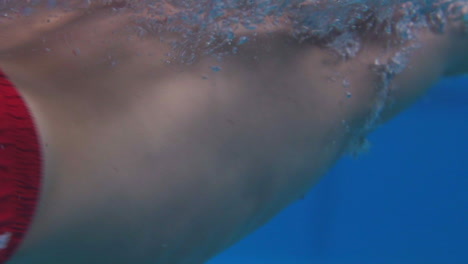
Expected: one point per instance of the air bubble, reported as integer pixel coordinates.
(243, 40)
(346, 83)
(216, 68)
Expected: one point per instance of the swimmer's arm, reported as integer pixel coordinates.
(440, 55)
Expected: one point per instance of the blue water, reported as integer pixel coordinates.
(404, 202)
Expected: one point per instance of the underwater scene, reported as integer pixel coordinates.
(233, 131)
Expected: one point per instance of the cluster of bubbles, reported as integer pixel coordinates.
(333, 22)
(209, 24)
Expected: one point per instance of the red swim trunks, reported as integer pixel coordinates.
(20, 169)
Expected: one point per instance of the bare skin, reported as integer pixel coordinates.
(149, 162)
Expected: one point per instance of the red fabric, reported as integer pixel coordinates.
(20, 169)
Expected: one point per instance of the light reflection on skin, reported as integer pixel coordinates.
(148, 160)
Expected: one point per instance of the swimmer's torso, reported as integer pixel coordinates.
(178, 167)
(152, 161)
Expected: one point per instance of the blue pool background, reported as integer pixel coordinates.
(404, 202)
